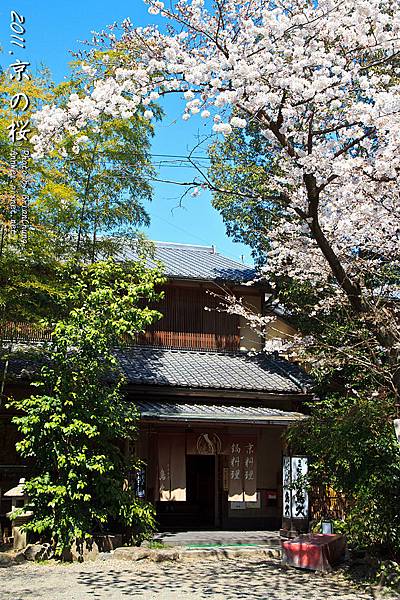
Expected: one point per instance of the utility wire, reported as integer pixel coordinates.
(182, 156)
(193, 235)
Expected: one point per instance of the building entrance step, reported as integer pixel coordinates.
(212, 539)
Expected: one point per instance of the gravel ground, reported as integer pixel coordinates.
(144, 580)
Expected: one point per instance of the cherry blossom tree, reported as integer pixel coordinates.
(320, 81)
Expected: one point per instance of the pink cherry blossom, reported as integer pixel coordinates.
(321, 83)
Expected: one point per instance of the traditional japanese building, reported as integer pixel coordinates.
(213, 405)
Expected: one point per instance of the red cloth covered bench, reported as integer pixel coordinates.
(317, 551)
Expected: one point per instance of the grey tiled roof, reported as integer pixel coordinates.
(181, 411)
(146, 365)
(183, 368)
(182, 261)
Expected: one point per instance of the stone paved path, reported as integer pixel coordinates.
(217, 580)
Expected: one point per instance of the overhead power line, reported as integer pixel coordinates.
(197, 237)
(181, 156)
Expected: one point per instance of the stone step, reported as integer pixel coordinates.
(229, 552)
(135, 553)
(219, 538)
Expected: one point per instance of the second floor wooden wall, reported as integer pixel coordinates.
(188, 324)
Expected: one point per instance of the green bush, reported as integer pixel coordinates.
(70, 430)
(352, 448)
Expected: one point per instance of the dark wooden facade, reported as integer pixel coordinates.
(191, 319)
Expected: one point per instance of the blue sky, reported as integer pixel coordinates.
(54, 28)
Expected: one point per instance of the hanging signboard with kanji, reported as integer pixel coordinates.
(242, 485)
(287, 492)
(295, 497)
(171, 467)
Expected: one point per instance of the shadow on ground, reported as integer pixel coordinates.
(217, 580)
(220, 579)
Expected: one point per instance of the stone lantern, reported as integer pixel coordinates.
(19, 499)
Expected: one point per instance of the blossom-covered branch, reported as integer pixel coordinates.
(320, 82)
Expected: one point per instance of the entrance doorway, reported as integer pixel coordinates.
(198, 511)
(200, 481)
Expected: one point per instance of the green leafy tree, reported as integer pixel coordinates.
(97, 181)
(71, 429)
(239, 177)
(95, 184)
(29, 286)
(352, 448)
(18, 101)
(87, 204)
